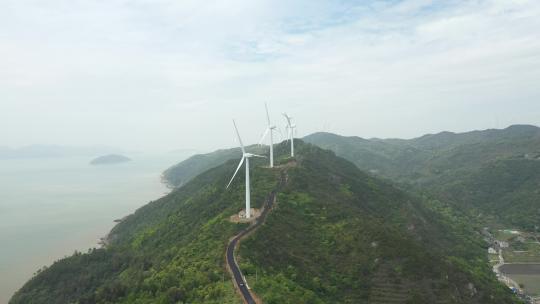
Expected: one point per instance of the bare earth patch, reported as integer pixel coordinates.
(240, 217)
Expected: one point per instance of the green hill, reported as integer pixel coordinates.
(336, 235)
(184, 171)
(505, 191)
(451, 166)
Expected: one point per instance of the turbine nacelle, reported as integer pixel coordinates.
(269, 131)
(290, 131)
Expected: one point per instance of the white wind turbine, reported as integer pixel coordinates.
(290, 131)
(269, 129)
(245, 157)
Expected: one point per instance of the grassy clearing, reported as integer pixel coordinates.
(504, 235)
(528, 252)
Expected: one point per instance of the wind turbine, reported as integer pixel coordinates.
(245, 157)
(290, 131)
(269, 129)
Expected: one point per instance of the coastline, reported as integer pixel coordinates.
(59, 214)
(106, 240)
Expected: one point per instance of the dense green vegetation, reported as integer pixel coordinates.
(492, 175)
(501, 191)
(337, 235)
(448, 165)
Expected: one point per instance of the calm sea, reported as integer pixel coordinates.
(51, 207)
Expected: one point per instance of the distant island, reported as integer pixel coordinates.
(110, 159)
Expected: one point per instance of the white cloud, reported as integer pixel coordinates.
(156, 69)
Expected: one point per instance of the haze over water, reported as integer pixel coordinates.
(50, 207)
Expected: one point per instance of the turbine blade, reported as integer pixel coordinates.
(287, 118)
(237, 168)
(288, 130)
(280, 133)
(264, 136)
(261, 156)
(267, 115)
(239, 139)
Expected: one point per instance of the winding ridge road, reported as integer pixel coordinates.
(231, 260)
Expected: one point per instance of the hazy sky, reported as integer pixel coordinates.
(162, 75)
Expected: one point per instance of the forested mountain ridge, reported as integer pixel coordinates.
(336, 235)
(447, 165)
(415, 159)
(464, 168)
(333, 216)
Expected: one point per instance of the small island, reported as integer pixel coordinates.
(110, 160)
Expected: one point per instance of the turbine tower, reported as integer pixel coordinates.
(245, 157)
(290, 131)
(269, 129)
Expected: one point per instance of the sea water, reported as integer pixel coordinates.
(50, 207)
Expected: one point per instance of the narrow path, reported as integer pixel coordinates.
(502, 277)
(233, 267)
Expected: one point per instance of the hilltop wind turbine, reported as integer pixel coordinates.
(269, 129)
(290, 131)
(245, 157)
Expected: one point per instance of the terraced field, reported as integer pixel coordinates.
(388, 290)
(527, 252)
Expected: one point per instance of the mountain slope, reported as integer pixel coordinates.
(449, 165)
(396, 159)
(507, 190)
(336, 235)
